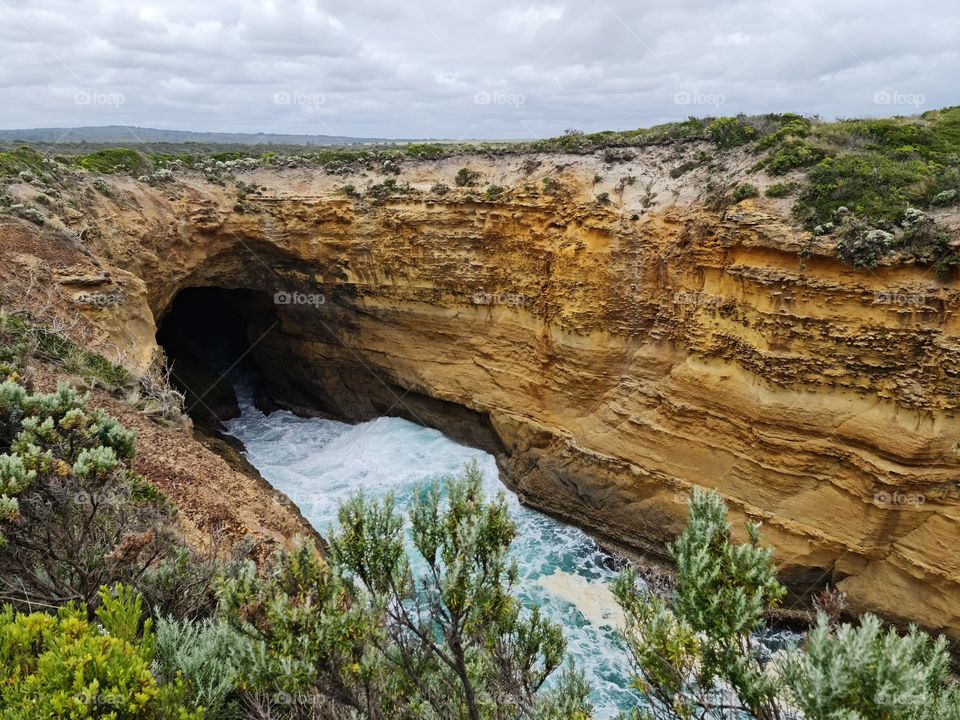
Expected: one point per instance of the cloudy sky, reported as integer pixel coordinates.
(459, 69)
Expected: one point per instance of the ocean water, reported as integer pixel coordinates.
(318, 463)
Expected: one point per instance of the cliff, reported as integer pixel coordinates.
(611, 330)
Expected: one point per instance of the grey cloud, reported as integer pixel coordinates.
(442, 69)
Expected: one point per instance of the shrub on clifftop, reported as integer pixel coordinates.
(73, 515)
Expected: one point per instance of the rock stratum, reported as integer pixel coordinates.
(612, 352)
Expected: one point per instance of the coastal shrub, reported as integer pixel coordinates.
(790, 155)
(744, 191)
(698, 654)
(466, 177)
(20, 160)
(871, 672)
(374, 631)
(67, 665)
(492, 192)
(781, 189)
(701, 644)
(204, 655)
(872, 185)
(74, 515)
(114, 160)
(730, 132)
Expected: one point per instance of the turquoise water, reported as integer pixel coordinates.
(318, 463)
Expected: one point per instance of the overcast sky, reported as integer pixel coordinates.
(467, 69)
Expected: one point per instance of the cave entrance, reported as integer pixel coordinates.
(207, 334)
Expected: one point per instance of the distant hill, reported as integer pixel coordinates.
(131, 135)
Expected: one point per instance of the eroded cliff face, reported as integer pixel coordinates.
(613, 354)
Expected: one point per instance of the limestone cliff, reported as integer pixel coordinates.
(613, 350)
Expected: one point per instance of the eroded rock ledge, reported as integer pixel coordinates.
(613, 355)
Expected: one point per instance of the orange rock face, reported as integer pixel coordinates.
(613, 354)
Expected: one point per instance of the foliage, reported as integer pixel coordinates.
(864, 672)
(744, 191)
(730, 132)
(439, 635)
(75, 516)
(873, 186)
(466, 177)
(492, 192)
(21, 341)
(21, 160)
(114, 160)
(781, 189)
(66, 665)
(697, 655)
(206, 655)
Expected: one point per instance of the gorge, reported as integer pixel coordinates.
(611, 342)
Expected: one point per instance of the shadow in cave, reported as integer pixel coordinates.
(206, 334)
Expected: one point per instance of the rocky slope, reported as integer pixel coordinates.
(613, 351)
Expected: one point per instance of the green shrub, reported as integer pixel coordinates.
(207, 656)
(730, 132)
(790, 155)
(115, 160)
(492, 192)
(866, 672)
(697, 652)
(21, 159)
(65, 666)
(704, 639)
(466, 177)
(75, 516)
(744, 191)
(781, 189)
(872, 185)
(368, 634)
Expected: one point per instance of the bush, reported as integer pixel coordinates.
(466, 177)
(791, 155)
(75, 517)
(873, 186)
(744, 191)
(866, 672)
(362, 633)
(206, 655)
(492, 192)
(730, 132)
(697, 654)
(781, 189)
(66, 666)
(114, 160)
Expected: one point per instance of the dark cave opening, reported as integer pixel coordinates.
(207, 336)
